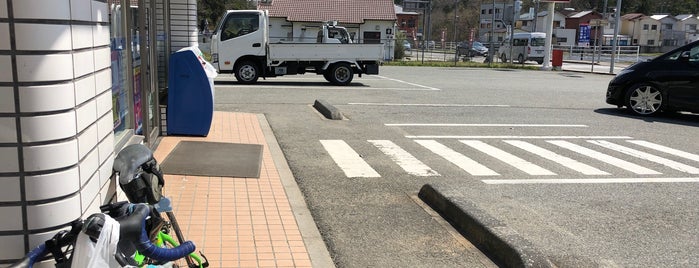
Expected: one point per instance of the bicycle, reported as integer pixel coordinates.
(133, 232)
(141, 179)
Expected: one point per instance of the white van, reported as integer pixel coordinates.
(525, 47)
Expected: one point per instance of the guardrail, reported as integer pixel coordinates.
(600, 53)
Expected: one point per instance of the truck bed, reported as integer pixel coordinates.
(325, 52)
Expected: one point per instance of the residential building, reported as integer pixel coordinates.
(407, 23)
(492, 19)
(669, 36)
(528, 21)
(687, 24)
(643, 29)
(561, 35)
(367, 21)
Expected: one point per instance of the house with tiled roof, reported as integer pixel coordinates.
(367, 21)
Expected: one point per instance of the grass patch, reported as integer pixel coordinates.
(470, 64)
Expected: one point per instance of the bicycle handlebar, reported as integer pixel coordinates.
(133, 229)
(31, 257)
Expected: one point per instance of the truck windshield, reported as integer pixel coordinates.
(239, 24)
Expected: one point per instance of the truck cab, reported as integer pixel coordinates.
(330, 33)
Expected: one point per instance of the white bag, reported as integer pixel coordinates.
(101, 254)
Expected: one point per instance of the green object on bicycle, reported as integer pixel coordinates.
(165, 238)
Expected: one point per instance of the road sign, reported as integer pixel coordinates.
(584, 36)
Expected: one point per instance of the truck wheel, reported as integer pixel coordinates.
(520, 59)
(247, 72)
(503, 57)
(340, 74)
(326, 74)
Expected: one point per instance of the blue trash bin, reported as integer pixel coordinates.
(190, 99)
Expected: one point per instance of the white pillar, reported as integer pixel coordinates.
(549, 36)
(184, 31)
(56, 140)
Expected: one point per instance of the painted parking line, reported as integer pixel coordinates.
(646, 156)
(348, 160)
(408, 83)
(637, 169)
(405, 160)
(467, 164)
(508, 158)
(562, 160)
(592, 181)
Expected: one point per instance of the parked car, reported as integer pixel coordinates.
(406, 45)
(475, 49)
(669, 82)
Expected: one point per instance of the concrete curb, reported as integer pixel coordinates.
(317, 251)
(502, 244)
(327, 110)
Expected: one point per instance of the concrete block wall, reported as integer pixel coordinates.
(56, 139)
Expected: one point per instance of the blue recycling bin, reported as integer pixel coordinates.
(190, 99)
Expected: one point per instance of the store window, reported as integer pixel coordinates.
(121, 94)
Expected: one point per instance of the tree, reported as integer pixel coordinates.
(212, 10)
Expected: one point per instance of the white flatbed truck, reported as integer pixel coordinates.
(241, 45)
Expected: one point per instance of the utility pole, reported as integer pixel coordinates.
(456, 50)
(549, 36)
(491, 50)
(616, 35)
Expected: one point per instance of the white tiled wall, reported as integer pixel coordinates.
(55, 9)
(47, 98)
(7, 100)
(53, 214)
(53, 67)
(51, 156)
(8, 130)
(3, 9)
(4, 62)
(48, 127)
(10, 192)
(4, 36)
(64, 113)
(52, 185)
(8, 158)
(42, 36)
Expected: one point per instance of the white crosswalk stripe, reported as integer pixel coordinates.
(605, 158)
(646, 156)
(348, 160)
(562, 160)
(666, 149)
(467, 164)
(508, 158)
(404, 159)
(519, 155)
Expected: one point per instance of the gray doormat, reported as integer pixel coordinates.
(214, 159)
